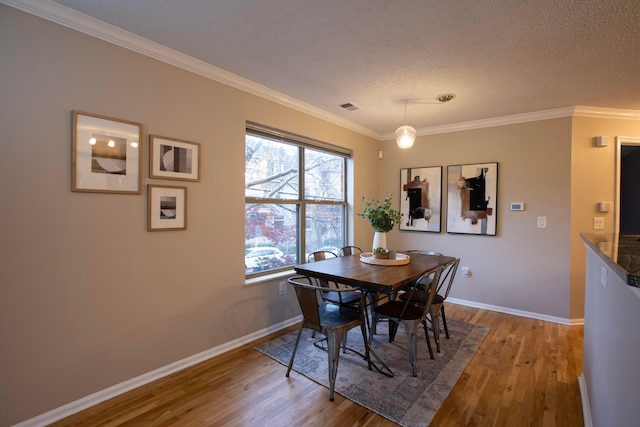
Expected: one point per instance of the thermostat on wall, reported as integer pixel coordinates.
(517, 206)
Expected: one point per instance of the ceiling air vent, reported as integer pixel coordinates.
(349, 106)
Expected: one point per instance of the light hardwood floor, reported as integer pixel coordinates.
(524, 374)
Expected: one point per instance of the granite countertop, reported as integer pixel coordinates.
(620, 252)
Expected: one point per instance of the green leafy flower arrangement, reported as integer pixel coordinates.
(380, 215)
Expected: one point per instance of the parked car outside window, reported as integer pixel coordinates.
(262, 258)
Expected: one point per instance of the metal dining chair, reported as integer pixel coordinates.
(410, 315)
(436, 308)
(349, 250)
(425, 280)
(344, 298)
(330, 320)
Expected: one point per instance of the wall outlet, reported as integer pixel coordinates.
(282, 288)
(465, 272)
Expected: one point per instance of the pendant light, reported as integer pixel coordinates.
(405, 135)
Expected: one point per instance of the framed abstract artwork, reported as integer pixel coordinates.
(167, 208)
(106, 155)
(421, 198)
(472, 198)
(172, 158)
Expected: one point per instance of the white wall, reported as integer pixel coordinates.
(611, 346)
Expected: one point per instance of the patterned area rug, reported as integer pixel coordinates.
(403, 399)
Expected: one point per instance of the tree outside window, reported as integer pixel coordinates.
(282, 223)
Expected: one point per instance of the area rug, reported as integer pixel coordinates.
(406, 400)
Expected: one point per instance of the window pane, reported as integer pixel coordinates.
(323, 175)
(270, 236)
(324, 228)
(271, 169)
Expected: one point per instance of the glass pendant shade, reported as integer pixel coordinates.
(405, 135)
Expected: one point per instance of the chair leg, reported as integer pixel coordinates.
(363, 329)
(295, 348)
(411, 327)
(393, 329)
(444, 321)
(426, 334)
(334, 339)
(434, 313)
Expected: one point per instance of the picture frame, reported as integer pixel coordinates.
(106, 154)
(167, 208)
(421, 199)
(172, 158)
(472, 197)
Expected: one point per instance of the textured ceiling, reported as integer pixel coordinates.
(499, 57)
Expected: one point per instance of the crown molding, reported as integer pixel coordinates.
(606, 113)
(75, 20)
(578, 111)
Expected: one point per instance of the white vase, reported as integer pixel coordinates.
(379, 240)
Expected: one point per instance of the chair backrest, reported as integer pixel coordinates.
(320, 255)
(307, 294)
(310, 299)
(349, 250)
(446, 278)
(428, 280)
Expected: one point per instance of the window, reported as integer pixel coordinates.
(289, 214)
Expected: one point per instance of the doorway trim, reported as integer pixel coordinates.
(620, 141)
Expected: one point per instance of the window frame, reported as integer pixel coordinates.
(301, 202)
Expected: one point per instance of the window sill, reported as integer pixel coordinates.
(268, 277)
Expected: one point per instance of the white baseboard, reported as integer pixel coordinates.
(118, 389)
(521, 313)
(584, 397)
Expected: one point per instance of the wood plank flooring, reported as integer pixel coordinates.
(524, 374)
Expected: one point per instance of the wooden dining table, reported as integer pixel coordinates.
(349, 270)
(373, 279)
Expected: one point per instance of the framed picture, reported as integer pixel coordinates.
(472, 198)
(106, 154)
(167, 208)
(174, 159)
(421, 198)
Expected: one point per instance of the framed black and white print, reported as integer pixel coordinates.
(167, 208)
(172, 158)
(421, 198)
(472, 198)
(106, 154)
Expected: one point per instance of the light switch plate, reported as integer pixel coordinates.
(542, 222)
(598, 223)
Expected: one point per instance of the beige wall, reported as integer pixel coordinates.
(592, 181)
(522, 267)
(89, 299)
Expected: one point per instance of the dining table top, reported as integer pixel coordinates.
(349, 270)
